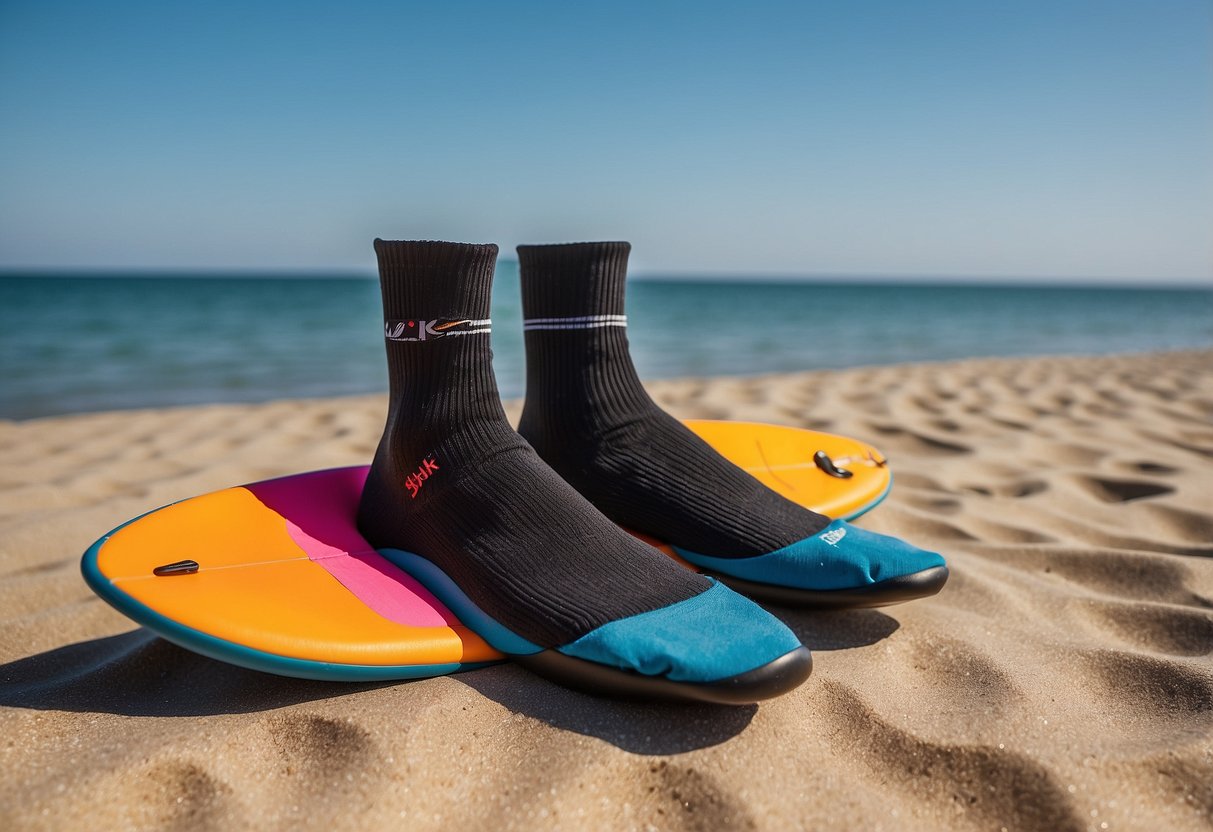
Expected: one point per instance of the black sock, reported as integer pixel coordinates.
(589, 418)
(454, 483)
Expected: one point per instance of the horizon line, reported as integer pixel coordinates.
(655, 276)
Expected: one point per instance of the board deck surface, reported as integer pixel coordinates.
(285, 583)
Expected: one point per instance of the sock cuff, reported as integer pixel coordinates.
(435, 281)
(580, 281)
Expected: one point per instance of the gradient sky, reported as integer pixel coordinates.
(929, 138)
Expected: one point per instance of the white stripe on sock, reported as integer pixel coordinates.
(577, 319)
(598, 325)
(575, 322)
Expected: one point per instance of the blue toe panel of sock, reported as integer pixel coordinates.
(840, 556)
(713, 636)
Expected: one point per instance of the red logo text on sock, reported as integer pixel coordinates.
(414, 481)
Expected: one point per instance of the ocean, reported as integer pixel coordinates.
(84, 343)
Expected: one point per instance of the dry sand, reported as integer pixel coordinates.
(1062, 680)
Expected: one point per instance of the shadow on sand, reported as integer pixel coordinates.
(139, 674)
(637, 727)
(842, 630)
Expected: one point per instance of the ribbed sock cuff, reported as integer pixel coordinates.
(573, 279)
(434, 280)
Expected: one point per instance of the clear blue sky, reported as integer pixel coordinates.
(927, 138)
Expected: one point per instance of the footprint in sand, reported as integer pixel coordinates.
(691, 800)
(1162, 628)
(1149, 467)
(183, 795)
(299, 755)
(319, 747)
(1111, 490)
(1148, 695)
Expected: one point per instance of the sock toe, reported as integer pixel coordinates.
(840, 556)
(713, 636)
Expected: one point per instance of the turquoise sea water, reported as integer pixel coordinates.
(71, 344)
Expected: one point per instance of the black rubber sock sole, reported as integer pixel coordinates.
(897, 590)
(772, 679)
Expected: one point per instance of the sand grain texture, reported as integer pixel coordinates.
(1063, 680)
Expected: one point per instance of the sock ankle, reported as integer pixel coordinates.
(452, 482)
(589, 417)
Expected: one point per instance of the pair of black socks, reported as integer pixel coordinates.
(528, 526)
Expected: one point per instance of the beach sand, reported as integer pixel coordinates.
(1062, 680)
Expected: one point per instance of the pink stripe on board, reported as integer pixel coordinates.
(319, 509)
